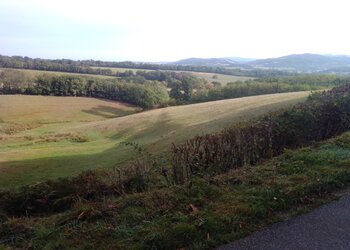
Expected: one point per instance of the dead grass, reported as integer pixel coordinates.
(13, 128)
(24, 109)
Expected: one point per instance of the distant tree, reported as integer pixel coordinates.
(188, 90)
(176, 91)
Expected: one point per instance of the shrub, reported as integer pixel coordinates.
(323, 115)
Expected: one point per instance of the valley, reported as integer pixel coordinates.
(49, 137)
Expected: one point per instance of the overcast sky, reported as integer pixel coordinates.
(164, 30)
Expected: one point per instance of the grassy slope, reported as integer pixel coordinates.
(223, 79)
(51, 109)
(202, 215)
(56, 149)
(29, 123)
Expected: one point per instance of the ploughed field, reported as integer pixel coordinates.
(49, 137)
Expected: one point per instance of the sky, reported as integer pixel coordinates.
(169, 30)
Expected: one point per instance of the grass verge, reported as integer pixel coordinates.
(200, 214)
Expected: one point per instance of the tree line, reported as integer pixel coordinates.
(179, 86)
(143, 87)
(148, 95)
(96, 67)
(326, 80)
(269, 85)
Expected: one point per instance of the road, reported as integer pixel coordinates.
(327, 227)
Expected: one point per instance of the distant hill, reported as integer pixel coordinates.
(241, 59)
(303, 62)
(296, 62)
(226, 62)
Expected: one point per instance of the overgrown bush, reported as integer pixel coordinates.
(323, 115)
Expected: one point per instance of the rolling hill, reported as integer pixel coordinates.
(79, 137)
(303, 62)
(219, 62)
(297, 62)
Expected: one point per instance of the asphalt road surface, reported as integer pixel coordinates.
(327, 227)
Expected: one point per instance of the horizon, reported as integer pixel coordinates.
(165, 31)
(138, 61)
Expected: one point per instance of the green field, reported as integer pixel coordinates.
(48, 137)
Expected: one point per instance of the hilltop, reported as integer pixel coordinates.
(224, 62)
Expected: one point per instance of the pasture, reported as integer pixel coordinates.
(223, 79)
(49, 137)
